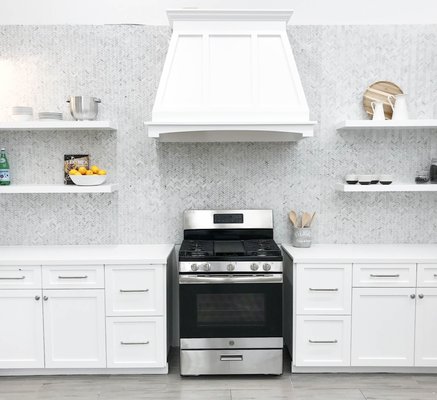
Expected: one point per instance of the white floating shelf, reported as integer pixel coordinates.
(426, 187)
(58, 126)
(350, 124)
(36, 189)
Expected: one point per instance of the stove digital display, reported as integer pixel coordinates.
(228, 218)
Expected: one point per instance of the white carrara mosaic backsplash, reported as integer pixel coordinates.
(42, 65)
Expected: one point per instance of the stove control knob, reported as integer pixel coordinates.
(254, 267)
(206, 267)
(267, 267)
(231, 267)
(194, 267)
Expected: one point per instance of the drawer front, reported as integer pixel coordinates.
(20, 277)
(73, 277)
(136, 342)
(137, 290)
(323, 341)
(384, 275)
(427, 275)
(324, 289)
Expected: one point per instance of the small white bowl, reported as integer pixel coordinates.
(365, 179)
(88, 180)
(351, 179)
(385, 179)
(374, 179)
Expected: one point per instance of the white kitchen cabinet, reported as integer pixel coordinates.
(383, 321)
(20, 277)
(426, 327)
(135, 290)
(74, 328)
(21, 329)
(324, 289)
(73, 277)
(136, 342)
(323, 341)
(427, 275)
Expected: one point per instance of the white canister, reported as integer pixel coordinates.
(302, 237)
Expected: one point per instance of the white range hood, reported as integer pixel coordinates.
(230, 76)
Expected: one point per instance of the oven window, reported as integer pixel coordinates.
(218, 309)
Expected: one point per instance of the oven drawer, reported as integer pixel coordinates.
(73, 277)
(135, 290)
(324, 289)
(323, 341)
(229, 362)
(20, 277)
(384, 275)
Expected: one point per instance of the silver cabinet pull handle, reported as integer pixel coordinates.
(385, 276)
(12, 277)
(45, 298)
(73, 277)
(231, 357)
(421, 296)
(413, 296)
(133, 343)
(324, 290)
(133, 290)
(435, 275)
(323, 341)
(37, 298)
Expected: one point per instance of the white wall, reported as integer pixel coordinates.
(152, 12)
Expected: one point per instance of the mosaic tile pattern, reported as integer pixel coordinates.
(41, 66)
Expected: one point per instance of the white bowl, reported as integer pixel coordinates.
(365, 179)
(88, 180)
(385, 179)
(351, 179)
(22, 117)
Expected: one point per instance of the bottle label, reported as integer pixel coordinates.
(4, 175)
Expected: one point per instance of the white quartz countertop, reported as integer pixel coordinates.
(364, 253)
(82, 255)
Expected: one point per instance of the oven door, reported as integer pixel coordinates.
(230, 306)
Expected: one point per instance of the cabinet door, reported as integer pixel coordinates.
(383, 327)
(135, 290)
(426, 327)
(74, 328)
(324, 289)
(21, 329)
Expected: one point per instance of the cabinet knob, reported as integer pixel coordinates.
(413, 296)
(45, 298)
(37, 298)
(421, 296)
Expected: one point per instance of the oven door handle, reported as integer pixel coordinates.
(205, 279)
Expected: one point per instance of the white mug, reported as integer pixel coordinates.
(378, 111)
(400, 111)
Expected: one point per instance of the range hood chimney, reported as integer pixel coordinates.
(230, 76)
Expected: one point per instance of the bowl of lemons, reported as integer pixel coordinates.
(88, 177)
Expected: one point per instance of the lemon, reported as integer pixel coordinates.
(89, 172)
(82, 170)
(95, 169)
(74, 172)
(102, 172)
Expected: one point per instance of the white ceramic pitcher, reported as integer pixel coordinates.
(399, 106)
(378, 111)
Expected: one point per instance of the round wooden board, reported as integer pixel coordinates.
(379, 91)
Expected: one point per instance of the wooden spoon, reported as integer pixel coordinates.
(306, 219)
(293, 218)
(312, 217)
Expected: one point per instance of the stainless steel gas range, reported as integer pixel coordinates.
(230, 293)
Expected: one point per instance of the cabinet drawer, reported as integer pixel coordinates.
(20, 277)
(324, 289)
(323, 341)
(135, 290)
(73, 277)
(135, 342)
(384, 275)
(427, 275)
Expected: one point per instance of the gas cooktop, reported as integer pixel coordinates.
(230, 250)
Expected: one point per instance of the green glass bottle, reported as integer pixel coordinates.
(5, 177)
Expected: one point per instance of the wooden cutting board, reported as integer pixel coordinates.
(379, 91)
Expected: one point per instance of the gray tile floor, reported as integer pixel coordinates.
(172, 386)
